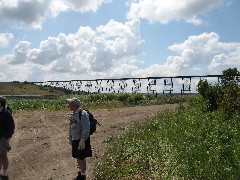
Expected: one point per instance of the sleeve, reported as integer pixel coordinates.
(85, 125)
(69, 132)
(10, 126)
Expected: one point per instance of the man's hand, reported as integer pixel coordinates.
(70, 140)
(8, 145)
(81, 144)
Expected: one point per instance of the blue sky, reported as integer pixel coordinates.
(43, 40)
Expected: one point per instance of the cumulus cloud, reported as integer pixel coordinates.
(5, 38)
(89, 5)
(11, 72)
(165, 11)
(204, 54)
(3, 77)
(20, 52)
(86, 51)
(112, 51)
(33, 12)
(24, 11)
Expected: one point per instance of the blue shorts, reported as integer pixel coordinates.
(81, 154)
(4, 145)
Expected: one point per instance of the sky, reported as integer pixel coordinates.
(61, 40)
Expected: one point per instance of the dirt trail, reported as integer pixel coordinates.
(40, 148)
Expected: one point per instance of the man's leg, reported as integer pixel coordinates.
(0, 166)
(0, 162)
(4, 163)
(82, 165)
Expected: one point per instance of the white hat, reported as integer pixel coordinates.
(76, 101)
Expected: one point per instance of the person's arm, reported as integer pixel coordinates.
(10, 126)
(85, 125)
(69, 135)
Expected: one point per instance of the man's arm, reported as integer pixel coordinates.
(10, 126)
(85, 125)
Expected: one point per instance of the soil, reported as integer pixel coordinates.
(40, 148)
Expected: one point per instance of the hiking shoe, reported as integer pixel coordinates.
(78, 177)
(83, 177)
(3, 177)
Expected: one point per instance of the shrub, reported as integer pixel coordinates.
(212, 94)
(230, 103)
(185, 144)
(224, 94)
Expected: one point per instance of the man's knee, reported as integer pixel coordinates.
(3, 157)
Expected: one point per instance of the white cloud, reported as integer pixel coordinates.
(226, 60)
(24, 11)
(5, 38)
(3, 77)
(204, 54)
(87, 5)
(165, 11)
(11, 72)
(33, 12)
(102, 54)
(87, 51)
(20, 52)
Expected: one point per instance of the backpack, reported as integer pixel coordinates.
(9, 109)
(92, 120)
(6, 111)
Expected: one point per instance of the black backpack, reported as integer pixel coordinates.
(92, 120)
(9, 109)
(6, 111)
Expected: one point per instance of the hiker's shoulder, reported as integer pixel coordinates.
(7, 111)
(84, 112)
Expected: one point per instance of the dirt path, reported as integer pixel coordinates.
(40, 148)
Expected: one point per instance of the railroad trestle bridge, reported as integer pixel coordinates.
(153, 85)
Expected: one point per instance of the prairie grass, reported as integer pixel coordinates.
(93, 101)
(188, 143)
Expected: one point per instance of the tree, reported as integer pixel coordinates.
(231, 74)
(224, 95)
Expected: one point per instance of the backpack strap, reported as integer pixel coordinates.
(8, 109)
(80, 114)
(5, 112)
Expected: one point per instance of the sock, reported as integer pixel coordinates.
(1, 171)
(4, 172)
(82, 173)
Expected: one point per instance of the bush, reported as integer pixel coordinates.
(212, 94)
(200, 141)
(185, 144)
(230, 103)
(224, 95)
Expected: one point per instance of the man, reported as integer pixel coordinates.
(79, 137)
(6, 131)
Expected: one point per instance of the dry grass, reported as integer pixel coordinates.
(17, 88)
